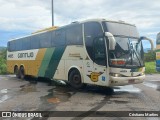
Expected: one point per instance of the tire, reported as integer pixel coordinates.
(21, 73)
(109, 91)
(16, 72)
(75, 79)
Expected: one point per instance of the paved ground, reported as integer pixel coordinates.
(20, 95)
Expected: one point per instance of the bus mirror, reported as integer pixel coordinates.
(112, 41)
(150, 40)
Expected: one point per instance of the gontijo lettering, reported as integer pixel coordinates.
(25, 55)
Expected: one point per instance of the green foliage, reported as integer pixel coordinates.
(150, 67)
(150, 56)
(150, 62)
(3, 66)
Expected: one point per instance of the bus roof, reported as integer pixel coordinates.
(107, 20)
(73, 23)
(46, 29)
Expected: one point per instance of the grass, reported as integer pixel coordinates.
(150, 67)
(3, 66)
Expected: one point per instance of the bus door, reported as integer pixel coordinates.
(100, 73)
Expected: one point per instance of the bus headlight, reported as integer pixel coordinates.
(115, 75)
(142, 73)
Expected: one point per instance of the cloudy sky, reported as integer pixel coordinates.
(22, 17)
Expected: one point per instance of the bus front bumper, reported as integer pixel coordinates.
(120, 81)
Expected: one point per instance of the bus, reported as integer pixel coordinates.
(97, 52)
(158, 52)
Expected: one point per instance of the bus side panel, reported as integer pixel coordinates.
(31, 66)
(45, 62)
(72, 58)
(77, 58)
(51, 61)
(60, 71)
(10, 66)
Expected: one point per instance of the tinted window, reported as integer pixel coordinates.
(122, 29)
(53, 41)
(13, 45)
(10, 46)
(35, 41)
(59, 38)
(74, 35)
(26, 45)
(99, 51)
(18, 44)
(92, 30)
(45, 40)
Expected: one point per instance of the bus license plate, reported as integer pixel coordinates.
(131, 81)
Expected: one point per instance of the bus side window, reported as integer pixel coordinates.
(99, 51)
(92, 30)
(74, 35)
(26, 44)
(12, 45)
(45, 40)
(35, 42)
(53, 38)
(59, 39)
(8, 46)
(18, 45)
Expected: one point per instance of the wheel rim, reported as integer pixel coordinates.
(76, 79)
(22, 73)
(16, 72)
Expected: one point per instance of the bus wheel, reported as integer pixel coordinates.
(75, 79)
(109, 91)
(16, 72)
(21, 73)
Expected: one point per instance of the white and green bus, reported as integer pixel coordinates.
(99, 52)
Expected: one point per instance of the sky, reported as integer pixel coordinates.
(22, 17)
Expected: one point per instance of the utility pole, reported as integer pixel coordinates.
(52, 13)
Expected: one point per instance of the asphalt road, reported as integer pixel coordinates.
(28, 95)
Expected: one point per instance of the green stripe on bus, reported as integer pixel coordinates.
(45, 62)
(55, 59)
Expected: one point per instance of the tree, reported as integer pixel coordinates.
(150, 56)
(3, 66)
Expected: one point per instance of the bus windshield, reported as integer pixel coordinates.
(128, 52)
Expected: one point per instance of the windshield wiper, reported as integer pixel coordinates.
(132, 53)
(137, 57)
